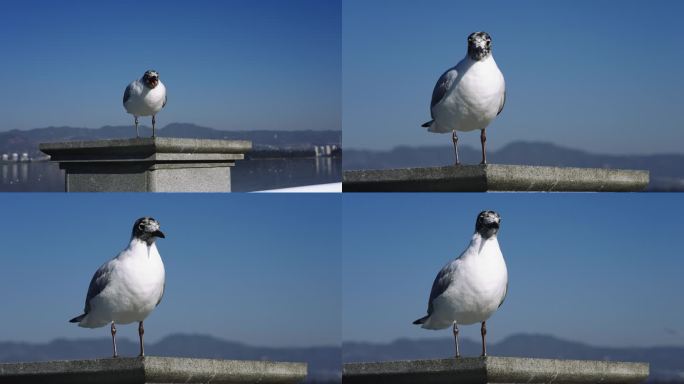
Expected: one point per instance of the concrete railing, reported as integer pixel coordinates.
(495, 177)
(155, 164)
(489, 369)
(153, 370)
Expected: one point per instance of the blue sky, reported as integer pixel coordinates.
(240, 64)
(604, 76)
(604, 269)
(260, 269)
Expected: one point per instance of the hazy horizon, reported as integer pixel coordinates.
(476, 147)
(161, 126)
(132, 336)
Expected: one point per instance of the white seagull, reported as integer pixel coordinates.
(145, 97)
(128, 287)
(470, 95)
(472, 287)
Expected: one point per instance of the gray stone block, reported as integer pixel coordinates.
(495, 177)
(495, 370)
(158, 164)
(153, 370)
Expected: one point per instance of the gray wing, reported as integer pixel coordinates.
(443, 85)
(164, 105)
(441, 283)
(504, 295)
(503, 102)
(162, 294)
(127, 93)
(97, 284)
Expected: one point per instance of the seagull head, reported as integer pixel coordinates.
(487, 224)
(479, 45)
(151, 78)
(147, 229)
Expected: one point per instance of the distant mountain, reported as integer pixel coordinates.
(667, 171)
(323, 362)
(27, 140)
(666, 363)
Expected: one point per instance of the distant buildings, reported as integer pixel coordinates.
(16, 157)
(325, 150)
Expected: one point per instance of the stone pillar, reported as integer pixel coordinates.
(143, 370)
(154, 164)
(482, 370)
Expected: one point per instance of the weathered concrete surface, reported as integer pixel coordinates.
(153, 370)
(158, 164)
(495, 370)
(495, 177)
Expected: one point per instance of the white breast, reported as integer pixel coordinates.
(144, 101)
(135, 287)
(474, 99)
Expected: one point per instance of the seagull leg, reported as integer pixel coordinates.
(483, 140)
(154, 121)
(114, 339)
(455, 329)
(454, 139)
(483, 331)
(136, 127)
(141, 332)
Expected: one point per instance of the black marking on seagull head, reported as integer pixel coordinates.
(151, 78)
(479, 45)
(487, 224)
(147, 230)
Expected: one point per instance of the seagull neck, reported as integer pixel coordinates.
(137, 242)
(478, 242)
(485, 60)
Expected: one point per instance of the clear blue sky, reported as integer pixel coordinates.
(240, 64)
(261, 269)
(604, 269)
(603, 75)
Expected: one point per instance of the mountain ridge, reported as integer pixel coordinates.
(666, 362)
(27, 140)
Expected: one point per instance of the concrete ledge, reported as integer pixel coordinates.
(151, 164)
(495, 177)
(153, 370)
(496, 370)
(147, 149)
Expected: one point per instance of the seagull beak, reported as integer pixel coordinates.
(159, 234)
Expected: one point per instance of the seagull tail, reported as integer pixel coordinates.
(428, 124)
(77, 319)
(421, 320)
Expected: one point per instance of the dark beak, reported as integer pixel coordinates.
(159, 234)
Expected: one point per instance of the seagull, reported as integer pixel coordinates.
(145, 97)
(128, 287)
(472, 287)
(470, 95)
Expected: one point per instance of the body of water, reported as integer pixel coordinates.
(247, 175)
